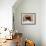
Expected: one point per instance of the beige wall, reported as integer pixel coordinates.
(29, 31)
(6, 13)
(38, 31)
(43, 22)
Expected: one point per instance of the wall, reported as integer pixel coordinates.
(29, 31)
(6, 13)
(43, 22)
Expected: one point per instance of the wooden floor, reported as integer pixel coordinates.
(12, 42)
(9, 43)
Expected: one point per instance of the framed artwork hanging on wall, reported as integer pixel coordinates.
(28, 18)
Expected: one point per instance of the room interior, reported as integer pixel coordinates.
(22, 23)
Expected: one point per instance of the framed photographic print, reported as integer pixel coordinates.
(28, 18)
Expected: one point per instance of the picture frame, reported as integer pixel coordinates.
(28, 18)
